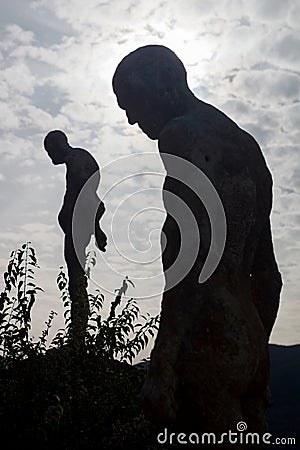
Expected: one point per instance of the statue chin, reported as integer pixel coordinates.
(153, 137)
(152, 134)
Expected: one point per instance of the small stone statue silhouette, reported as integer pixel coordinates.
(82, 180)
(209, 366)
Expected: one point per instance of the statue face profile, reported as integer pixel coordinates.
(56, 146)
(140, 110)
(150, 85)
(55, 156)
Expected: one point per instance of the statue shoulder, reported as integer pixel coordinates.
(178, 136)
(79, 158)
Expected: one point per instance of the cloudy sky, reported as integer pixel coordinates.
(57, 60)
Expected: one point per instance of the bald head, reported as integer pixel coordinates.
(57, 146)
(150, 67)
(151, 85)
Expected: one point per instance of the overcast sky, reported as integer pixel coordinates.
(57, 61)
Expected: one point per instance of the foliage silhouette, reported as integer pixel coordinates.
(16, 302)
(51, 397)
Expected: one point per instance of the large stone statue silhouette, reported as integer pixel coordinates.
(209, 366)
(79, 218)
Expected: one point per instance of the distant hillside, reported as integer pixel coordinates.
(284, 415)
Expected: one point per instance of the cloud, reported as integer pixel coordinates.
(275, 85)
(287, 47)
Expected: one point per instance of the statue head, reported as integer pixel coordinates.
(57, 146)
(151, 86)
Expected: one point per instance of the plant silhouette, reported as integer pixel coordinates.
(53, 397)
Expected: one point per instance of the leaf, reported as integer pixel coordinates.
(14, 276)
(131, 282)
(93, 261)
(31, 291)
(33, 258)
(31, 302)
(39, 289)
(20, 255)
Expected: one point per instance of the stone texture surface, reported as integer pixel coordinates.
(209, 368)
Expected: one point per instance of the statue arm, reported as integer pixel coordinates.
(85, 180)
